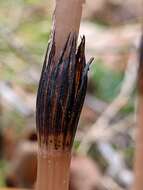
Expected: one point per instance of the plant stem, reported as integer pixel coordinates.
(138, 167)
(139, 148)
(53, 171)
(58, 109)
(66, 21)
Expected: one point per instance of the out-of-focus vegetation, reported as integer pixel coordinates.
(24, 33)
(107, 82)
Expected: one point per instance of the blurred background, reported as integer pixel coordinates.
(105, 139)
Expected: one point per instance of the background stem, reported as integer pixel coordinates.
(138, 184)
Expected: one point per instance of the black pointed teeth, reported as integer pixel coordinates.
(61, 94)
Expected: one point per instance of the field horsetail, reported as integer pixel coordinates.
(60, 97)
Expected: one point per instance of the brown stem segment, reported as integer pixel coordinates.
(53, 170)
(66, 21)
